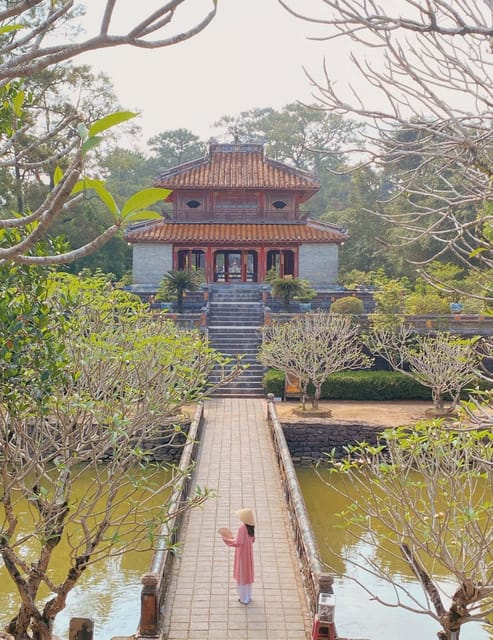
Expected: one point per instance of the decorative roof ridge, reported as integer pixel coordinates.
(322, 225)
(181, 168)
(236, 147)
(309, 175)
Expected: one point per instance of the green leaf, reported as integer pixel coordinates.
(90, 143)
(143, 199)
(11, 27)
(57, 175)
(98, 186)
(110, 121)
(476, 252)
(19, 102)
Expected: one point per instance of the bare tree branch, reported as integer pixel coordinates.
(23, 56)
(427, 107)
(37, 35)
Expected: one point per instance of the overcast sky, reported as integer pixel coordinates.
(251, 55)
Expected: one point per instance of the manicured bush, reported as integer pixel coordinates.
(373, 385)
(364, 385)
(422, 304)
(274, 382)
(349, 305)
(357, 385)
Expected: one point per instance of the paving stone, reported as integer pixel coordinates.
(237, 461)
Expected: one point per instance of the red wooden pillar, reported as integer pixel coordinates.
(244, 265)
(281, 263)
(209, 265)
(261, 264)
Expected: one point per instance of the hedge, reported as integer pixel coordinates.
(362, 385)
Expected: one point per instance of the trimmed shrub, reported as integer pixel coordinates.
(421, 304)
(373, 385)
(273, 381)
(348, 305)
(364, 385)
(357, 385)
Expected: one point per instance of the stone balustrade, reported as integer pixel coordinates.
(315, 580)
(156, 581)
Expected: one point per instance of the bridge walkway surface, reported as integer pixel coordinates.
(237, 461)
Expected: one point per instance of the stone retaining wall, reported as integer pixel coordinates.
(308, 440)
(166, 444)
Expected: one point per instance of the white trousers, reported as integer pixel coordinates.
(245, 592)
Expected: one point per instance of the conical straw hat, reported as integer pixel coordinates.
(246, 516)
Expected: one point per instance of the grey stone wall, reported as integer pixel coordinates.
(308, 441)
(150, 262)
(319, 263)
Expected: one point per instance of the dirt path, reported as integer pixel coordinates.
(388, 414)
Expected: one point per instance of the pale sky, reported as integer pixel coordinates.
(251, 55)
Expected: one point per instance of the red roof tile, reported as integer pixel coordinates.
(235, 234)
(237, 166)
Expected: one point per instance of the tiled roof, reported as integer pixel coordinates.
(237, 166)
(235, 234)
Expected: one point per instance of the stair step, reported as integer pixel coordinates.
(235, 316)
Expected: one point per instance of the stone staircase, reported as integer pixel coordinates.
(236, 313)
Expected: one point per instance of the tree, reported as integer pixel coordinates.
(424, 494)
(174, 147)
(37, 36)
(124, 172)
(311, 347)
(176, 282)
(106, 387)
(446, 364)
(427, 114)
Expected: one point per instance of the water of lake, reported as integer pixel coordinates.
(108, 592)
(357, 616)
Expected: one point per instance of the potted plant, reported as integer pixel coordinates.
(175, 283)
(305, 299)
(287, 288)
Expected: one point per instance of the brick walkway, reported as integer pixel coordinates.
(237, 460)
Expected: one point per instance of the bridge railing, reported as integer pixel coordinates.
(315, 580)
(155, 583)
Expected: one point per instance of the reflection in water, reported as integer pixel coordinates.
(357, 615)
(108, 592)
(110, 596)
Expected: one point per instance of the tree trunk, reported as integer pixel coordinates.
(316, 396)
(438, 402)
(19, 625)
(42, 629)
(449, 635)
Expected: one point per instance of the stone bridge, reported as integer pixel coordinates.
(191, 595)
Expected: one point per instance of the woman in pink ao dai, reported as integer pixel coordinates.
(243, 567)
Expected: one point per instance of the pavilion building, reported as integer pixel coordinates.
(236, 214)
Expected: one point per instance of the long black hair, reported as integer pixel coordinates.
(250, 529)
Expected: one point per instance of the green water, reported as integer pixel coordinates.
(107, 592)
(357, 616)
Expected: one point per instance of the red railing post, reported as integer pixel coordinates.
(149, 606)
